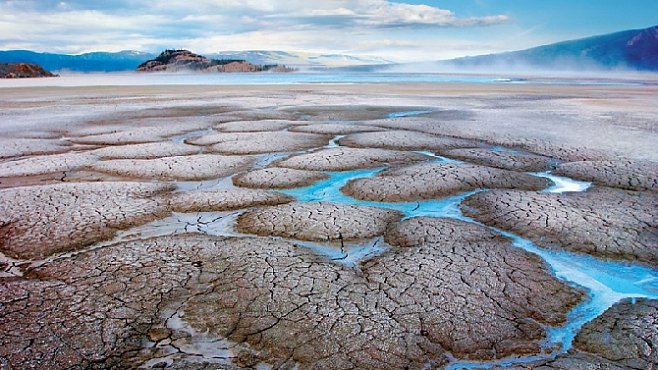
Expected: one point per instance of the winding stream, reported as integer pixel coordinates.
(606, 282)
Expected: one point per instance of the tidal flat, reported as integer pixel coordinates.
(347, 226)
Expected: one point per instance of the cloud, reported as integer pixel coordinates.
(330, 25)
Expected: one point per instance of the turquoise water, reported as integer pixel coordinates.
(323, 77)
(408, 114)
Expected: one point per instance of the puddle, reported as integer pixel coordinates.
(333, 143)
(410, 113)
(436, 156)
(179, 139)
(563, 184)
(220, 183)
(349, 254)
(10, 267)
(187, 345)
(209, 223)
(264, 160)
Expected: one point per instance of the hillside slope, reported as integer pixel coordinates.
(633, 49)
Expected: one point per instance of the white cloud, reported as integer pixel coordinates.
(212, 25)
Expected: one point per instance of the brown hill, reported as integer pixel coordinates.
(23, 70)
(185, 60)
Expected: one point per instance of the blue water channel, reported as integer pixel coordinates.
(606, 282)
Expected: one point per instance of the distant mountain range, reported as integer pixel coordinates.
(129, 60)
(89, 62)
(297, 59)
(634, 49)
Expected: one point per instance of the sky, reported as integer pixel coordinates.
(402, 31)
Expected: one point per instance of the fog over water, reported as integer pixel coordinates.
(389, 75)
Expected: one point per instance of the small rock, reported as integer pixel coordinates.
(158, 334)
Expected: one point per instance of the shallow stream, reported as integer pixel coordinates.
(606, 282)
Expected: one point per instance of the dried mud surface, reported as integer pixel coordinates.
(335, 128)
(624, 337)
(342, 159)
(257, 142)
(39, 165)
(193, 167)
(631, 175)
(256, 126)
(317, 221)
(135, 133)
(472, 263)
(37, 221)
(405, 140)
(277, 178)
(603, 222)
(16, 147)
(436, 180)
(139, 226)
(287, 305)
(224, 199)
(507, 160)
(146, 151)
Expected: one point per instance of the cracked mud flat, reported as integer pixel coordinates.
(512, 160)
(405, 140)
(193, 167)
(37, 221)
(602, 222)
(277, 178)
(256, 126)
(257, 143)
(342, 159)
(106, 270)
(39, 165)
(631, 175)
(146, 151)
(623, 337)
(317, 221)
(335, 128)
(437, 180)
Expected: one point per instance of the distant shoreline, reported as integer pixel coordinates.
(116, 79)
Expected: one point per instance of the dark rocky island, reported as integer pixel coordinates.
(23, 70)
(185, 60)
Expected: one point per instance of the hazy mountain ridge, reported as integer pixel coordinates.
(632, 49)
(100, 61)
(299, 59)
(129, 60)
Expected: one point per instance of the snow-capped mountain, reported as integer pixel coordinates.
(299, 59)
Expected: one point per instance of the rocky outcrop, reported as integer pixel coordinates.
(23, 70)
(185, 60)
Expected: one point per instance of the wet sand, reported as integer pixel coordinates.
(328, 226)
